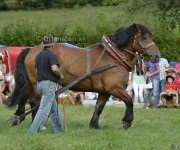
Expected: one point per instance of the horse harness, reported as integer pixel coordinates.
(114, 52)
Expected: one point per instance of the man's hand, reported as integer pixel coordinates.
(57, 71)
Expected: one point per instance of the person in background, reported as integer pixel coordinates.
(11, 84)
(2, 88)
(129, 86)
(75, 96)
(170, 92)
(138, 81)
(177, 78)
(154, 75)
(91, 95)
(2, 65)
(163, 65)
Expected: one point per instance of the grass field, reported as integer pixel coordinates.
(151, 130)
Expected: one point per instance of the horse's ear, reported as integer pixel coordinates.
(136, 27)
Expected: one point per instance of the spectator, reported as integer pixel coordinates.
(177, 79)
(163, 65)
(91, 95)
(11, 84)
(62, 96)
(138, 81)
(170, 92)
(113, 98)
(75, 96)
(129, 86)
(2, 65)
(48, 74)
(2, 88)
(154, 75)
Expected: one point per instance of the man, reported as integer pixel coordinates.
(163, 65)
(48, 74)
(154, 76)
(170, 91)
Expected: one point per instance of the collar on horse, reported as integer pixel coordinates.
(113, 51)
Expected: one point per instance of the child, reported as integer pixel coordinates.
(170, 91)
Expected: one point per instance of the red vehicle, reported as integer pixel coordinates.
(10, 55)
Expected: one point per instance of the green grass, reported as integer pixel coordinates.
(151, 130)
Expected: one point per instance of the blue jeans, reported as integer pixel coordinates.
(48, 107)
(155, 91)
(162, 84)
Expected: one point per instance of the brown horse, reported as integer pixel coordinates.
(117, 49)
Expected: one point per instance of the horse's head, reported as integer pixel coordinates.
(144, 44)
(141, 38)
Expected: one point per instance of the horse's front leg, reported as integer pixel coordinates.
(123, 95)
(129, 116)
(101, 101)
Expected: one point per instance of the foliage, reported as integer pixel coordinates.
(85, 26)
(151, 129)
(43, 4)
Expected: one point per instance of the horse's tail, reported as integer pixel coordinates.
(21, 80)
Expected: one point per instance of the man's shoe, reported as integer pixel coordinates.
(147, 108)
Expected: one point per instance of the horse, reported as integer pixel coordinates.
(117, 51)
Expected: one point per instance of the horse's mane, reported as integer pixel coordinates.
(121, 36)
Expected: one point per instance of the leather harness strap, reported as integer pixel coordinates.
(88, 59)
(88, 65)
(117, 55)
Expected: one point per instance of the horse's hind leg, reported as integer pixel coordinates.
(20, 110)
(102, 99)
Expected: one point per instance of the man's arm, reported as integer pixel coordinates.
(155, 72)
(57, 71)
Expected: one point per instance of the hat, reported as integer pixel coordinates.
(169, 77)
(170, 70)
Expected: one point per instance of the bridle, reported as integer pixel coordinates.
(116, 52)
(143, 47)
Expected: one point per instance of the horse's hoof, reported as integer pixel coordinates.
(94, 126)
(13, 123)
(126, 125)
(16, 120)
